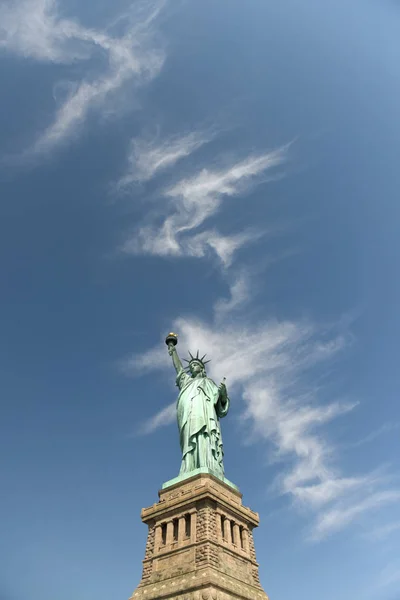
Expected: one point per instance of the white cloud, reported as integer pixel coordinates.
(210, 185)
(146, 361)
(239, 295)
(164, 417)
(329, 489)
(390, 575)
(380, 533)
(193, 201)
(34, 29)
(224, 246)
(147, 157)
(371, 437)
(338, 517)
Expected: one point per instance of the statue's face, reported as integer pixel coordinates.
(195, 368)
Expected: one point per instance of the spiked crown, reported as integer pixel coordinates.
(196, 359)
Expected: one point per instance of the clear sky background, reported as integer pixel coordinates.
(229, 171)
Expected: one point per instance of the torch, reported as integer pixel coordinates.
(171, 340)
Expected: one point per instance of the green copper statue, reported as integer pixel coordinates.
(200, 405)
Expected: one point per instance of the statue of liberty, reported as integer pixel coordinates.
(200, 406)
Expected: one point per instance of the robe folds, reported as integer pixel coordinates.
(199, 409)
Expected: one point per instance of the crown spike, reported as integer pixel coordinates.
(196, 359)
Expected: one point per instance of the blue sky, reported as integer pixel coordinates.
(227, 170)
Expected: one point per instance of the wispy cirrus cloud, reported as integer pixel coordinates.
(193, 201)
(35, 29)
(149, 156)
(328, 489)
(239, 291)
(384, 429)
(164, 417)
(390, 576)
(338, 517)
(384, 531)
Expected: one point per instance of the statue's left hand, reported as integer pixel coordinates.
(223, 394)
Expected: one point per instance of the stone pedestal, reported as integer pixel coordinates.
(200, 544)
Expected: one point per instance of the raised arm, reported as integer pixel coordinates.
(171, 341)
(176, 361)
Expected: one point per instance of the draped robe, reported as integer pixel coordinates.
(199, 409)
